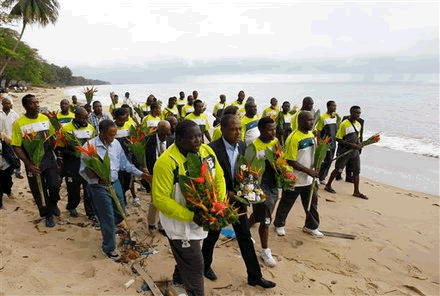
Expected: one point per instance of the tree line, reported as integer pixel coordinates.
(20, 62)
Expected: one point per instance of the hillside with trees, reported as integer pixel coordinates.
(20, 62)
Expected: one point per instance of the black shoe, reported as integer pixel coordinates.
(50, 222)
(262, 283)
(113, 255)
(210, 274)
(56, 211)
(151, 228)
(73, 213)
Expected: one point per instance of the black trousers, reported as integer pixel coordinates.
(74, 184)
(245, 243)
(189, 267)
(5, 183)
(51, 180)
(286, 204)
(325, 166)
(125, 179)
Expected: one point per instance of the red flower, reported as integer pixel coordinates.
(377, 138)
(212, 220)
(218, 208)
(90, 151)
(59, 136)
(327, 140)
(203, 169)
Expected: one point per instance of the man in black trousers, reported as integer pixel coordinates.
(227, 149)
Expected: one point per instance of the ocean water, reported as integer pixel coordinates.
(407, 116)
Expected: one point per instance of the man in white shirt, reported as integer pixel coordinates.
(8, 117)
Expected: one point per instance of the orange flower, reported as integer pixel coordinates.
(327, 140)
(59, 136)
(90, 151)
(218, 208)
(203, 169)
(377, 138)
(26, 137)
(212, 220)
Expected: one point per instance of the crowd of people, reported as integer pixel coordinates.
(178, 128)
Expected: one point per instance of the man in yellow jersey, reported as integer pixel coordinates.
(65, 115)
(171, 108)
(152, 120)
(240, 102)
(307, 105)
(115, 104)
(181, 101)
(217, 134)
(173, 124)
(218, 110)
(181, 225)
(121, 116)
(75, 105)
(262, 213)
(200, 118)
(49, 172)
(283, 122)
(326, 128)
(83, 131)
(300, 154)
(272, 110)
(146, 107)
(188, 108)
(249, 123)
(348, 138)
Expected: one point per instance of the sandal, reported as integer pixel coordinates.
(329, 189)
(361, 195)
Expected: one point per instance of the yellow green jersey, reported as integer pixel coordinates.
(151, 121)
(249, 129)
(240, 107)
(64, 119)
(167, 111)
(217, 134)
(201, 120)
(272, 113)
(186, 110)
(300, 147)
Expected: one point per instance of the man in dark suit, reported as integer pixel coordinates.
(227, 149)
(158, 142)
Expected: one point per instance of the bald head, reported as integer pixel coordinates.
(163, 129)
(173, 122)
(305, 121)
(307, 104)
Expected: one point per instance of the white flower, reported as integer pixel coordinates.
(251, 196)
(239, 193)
(257, 198)
(249, 187)
(241, 186)
(243, 167)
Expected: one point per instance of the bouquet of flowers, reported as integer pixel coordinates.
(137, 143)
(101, 168)
(33, 143)
(284, 173)
(201, 195)
(52, 115)
(89, 92)
(249, 171)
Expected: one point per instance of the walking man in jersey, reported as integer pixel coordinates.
(348, 138)
(181, 225)
(33, 121)
(227, 149)
(300, 151)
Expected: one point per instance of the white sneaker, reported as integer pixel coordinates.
(136, 202)
(280, 231)
(314, 232)
(266, 255)
(252, 239)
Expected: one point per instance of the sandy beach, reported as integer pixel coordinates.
(395, 250)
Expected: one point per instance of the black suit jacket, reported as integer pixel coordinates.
(152, 149)
(220, 151)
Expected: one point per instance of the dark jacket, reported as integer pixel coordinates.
(151, 150)
(220, 151)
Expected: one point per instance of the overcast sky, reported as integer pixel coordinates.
(98, 33)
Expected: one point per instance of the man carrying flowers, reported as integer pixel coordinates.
(348, 138)
(105, 208)
(300, 154)
(47, 173)
(182, 226)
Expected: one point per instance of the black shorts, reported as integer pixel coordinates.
(263, 211)
(355, 160)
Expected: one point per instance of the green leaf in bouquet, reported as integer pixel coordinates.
(316, 117)
(193, 165)
(106, 167)
(270, 155)
(251, 152)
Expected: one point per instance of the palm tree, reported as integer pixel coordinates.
(42, 12)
